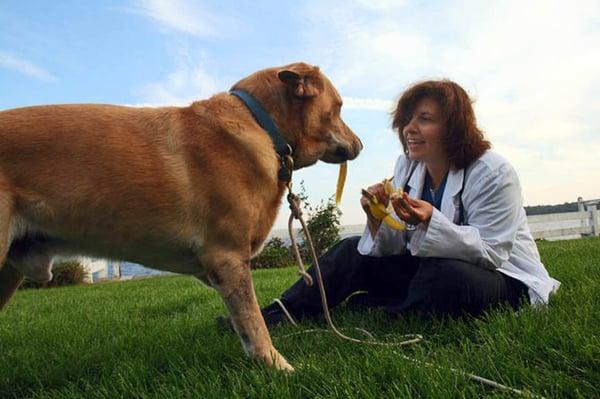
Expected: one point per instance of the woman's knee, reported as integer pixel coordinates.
(346, 247)
(350, 242)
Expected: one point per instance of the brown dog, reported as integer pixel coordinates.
(190, 190)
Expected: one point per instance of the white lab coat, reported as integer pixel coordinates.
(495, 234)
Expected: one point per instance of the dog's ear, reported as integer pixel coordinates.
(301, 79)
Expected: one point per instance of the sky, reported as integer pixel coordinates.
(532, 69)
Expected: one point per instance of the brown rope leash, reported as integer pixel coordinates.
(294, 201)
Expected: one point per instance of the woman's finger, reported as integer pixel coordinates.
(378, 192)
(401, 210)
(406, 206)
(413, 202)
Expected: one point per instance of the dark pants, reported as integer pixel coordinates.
(404, 283)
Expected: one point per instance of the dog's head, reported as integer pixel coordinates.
(306, 108)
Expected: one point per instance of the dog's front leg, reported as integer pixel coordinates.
(230, 276)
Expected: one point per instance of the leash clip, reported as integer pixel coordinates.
(287, 166)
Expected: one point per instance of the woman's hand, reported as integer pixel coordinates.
(412, 211)
(378, 191)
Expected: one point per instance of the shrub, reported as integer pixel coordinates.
(323, 223)
(324, 227)
(274, 254)
(63, 273)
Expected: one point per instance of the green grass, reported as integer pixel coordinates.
(157, 338)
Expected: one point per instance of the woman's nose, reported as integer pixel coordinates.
(410, 126)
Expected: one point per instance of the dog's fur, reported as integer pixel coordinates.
(191, 190)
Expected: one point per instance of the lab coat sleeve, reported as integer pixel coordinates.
(492, 206)
(386, 242)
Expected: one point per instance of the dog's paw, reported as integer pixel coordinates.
(279, 362)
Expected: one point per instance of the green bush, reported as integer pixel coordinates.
(324, 227)
(323, 223)
(274, 254)
(63, 273)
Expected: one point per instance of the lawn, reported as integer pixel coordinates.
(157, 338)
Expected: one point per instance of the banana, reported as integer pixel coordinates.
(340, 183)
(380, 211)
(388, 187)
(393, 223)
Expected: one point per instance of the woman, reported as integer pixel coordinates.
(469, 248)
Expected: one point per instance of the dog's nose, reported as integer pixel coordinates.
(341, 152)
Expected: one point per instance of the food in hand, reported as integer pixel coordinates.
(380, 211)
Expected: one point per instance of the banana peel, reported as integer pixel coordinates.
(340, 183)
(380, 211)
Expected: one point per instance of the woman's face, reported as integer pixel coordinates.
(423, 133)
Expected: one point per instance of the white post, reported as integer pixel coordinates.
(585, 222)
(102, 268)
(595, 220)
(87, 262)
(116, 270)
(580, 205)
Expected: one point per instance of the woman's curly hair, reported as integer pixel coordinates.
(463, 140)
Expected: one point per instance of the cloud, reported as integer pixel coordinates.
(376, 104)
(184, 16)
(380, 5)
(25, 67)
(190, 81)
(531, 67)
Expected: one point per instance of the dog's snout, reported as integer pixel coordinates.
(341, 152)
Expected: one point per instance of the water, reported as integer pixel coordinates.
(131, 270)
(135, 270)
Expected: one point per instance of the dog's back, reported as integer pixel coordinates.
(92, 173)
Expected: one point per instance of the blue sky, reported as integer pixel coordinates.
(531, 67)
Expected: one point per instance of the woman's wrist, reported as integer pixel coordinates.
(425, 221)
(373, 226)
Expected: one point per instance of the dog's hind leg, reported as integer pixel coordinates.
(10, 278)
(230, 275)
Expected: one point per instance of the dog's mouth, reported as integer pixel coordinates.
(338, 154)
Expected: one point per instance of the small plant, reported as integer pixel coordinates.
(274, 254)
(323, 223)
(63, 273)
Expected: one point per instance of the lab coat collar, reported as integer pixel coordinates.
(451, 192)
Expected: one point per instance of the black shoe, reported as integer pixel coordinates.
(273, 315)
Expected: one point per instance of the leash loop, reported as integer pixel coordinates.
(296, 213)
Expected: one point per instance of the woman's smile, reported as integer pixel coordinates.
(423, 133)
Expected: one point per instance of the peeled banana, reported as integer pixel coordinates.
(340, 183)
(380, 211)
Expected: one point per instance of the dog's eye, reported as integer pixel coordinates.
(327, 116)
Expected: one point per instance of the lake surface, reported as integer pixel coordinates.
(131, 270)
